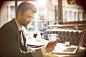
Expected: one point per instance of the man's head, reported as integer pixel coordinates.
(25, 12)
(25, 6)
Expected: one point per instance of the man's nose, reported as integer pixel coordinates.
(29, 20)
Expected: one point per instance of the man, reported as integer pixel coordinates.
(12, 42)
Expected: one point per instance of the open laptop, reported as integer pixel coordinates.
(62, 49)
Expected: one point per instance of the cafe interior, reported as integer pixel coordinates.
(63, 19)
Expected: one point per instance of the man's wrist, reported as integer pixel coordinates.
(43, 51)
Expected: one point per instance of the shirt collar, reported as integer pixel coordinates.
(19, 27)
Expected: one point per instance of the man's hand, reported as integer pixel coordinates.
(51, 45)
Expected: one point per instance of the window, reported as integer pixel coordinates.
(12, 12)
(73, 10)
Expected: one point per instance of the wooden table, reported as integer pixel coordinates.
(80, 53)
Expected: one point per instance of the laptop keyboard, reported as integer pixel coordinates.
(69, 50)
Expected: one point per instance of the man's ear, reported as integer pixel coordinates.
(19, 13)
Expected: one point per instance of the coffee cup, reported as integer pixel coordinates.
(67, 43)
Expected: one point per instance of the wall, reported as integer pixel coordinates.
(3, 14)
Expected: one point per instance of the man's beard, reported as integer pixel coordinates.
(24, 25)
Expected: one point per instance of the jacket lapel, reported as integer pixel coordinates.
(17, 31)
(16, 28)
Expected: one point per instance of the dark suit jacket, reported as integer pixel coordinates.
(10, 45)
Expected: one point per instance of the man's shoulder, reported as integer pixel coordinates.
(7, 25)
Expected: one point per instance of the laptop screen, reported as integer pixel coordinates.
(81, 43)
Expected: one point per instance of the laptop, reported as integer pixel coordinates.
(62, 49)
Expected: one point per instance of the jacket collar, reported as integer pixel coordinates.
(19, 27)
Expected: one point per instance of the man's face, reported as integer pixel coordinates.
(26, 18)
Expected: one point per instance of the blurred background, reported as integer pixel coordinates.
(49, 12)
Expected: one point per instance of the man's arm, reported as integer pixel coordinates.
(51, 45)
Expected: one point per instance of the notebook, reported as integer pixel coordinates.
(62, 49)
